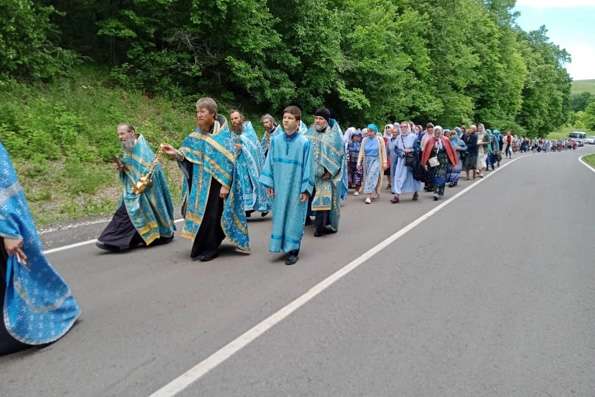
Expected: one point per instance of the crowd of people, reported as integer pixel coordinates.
(301, 175)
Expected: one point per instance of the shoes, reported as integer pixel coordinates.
(356, 193)
(318, 232)
(415, 196)
(263, 214)
(107, 247)
(368, 200)
(291, 259)
(436, 197)
(208, 256)
(395, 199)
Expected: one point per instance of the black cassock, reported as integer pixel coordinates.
(7, 343)
(210, 234)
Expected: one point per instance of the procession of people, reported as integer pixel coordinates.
(297, 174)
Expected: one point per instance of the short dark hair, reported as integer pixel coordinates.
(294, 111)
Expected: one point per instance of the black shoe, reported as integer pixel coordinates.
(319, 232)
(263, 214)
(291, 260)
(107, 247)
(415, 196)
(329, 230)
(249, 214)
(208, 256)
(436, 197)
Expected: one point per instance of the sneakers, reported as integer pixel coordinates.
(356, 193)
(395, 199)
(368, 200)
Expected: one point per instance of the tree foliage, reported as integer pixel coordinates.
(449, 61)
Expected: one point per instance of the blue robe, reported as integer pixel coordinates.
(151, 212)
(212, 156)
(328, 152)
(249, 162)
(288, 171)
(38, 305)
(403, 181)
(391, 148)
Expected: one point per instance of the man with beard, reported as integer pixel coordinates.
(249, 162)
(212, 198)
(287, 175)
(145, 216)
(36, 304)
(270, 127)
(327, 153)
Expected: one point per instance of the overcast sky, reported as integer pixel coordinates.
(570, 24)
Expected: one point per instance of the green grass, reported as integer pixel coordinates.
(561, 134)
(62, 136)
(590, 159)
(579, 86)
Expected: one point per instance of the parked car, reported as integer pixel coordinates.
(590, 140)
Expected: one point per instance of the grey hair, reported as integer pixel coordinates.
(207, 103)
(268, 117)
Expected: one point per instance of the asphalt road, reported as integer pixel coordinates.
(491, 296)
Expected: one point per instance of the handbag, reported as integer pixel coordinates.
(409, 157)
(433, 162)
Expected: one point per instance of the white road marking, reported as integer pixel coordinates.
(202, 368)
(82, 243)
(585, 163)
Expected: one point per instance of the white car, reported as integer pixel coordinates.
(590, 140)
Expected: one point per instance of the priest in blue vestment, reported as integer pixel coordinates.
(145, 216)
(211, 194)
(249, 162)
(287, 175)
(328, 154)
(36, 303)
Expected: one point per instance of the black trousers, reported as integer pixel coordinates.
(7, 343)
(210, 234)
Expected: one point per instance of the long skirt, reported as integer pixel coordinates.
(403, 181)
(355, 176)
(470, 162)
(371, 175)
(439, 172)
(454, 173)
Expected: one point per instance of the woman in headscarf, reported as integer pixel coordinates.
(403, 180)
(372, 160)
(460, 147)
(482, 153)
(391, 147)
(355, 174)
(437, 155)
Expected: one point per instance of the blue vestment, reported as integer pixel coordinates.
(151, 212)
(38, 305)
(249, 162)
(328, 152)
(288, 171)
(212, 156)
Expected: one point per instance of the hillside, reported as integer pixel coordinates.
(579, 86)
(62, 138)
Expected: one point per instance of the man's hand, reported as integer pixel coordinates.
(223, 192)
(15, 247)
(238, 146)
(171, 151)
(304, 197)
(270, 192)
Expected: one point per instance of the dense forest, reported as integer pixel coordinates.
(449, 61)
(71, 70)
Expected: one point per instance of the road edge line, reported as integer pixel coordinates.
(194, 374)
(580, 159)
(80, 244)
